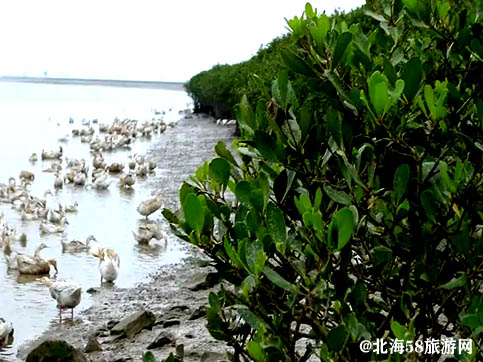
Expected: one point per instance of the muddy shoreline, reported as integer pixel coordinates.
(176, 294)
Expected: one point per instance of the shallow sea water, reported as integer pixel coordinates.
(33, 117)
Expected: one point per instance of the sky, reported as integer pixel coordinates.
(140, 40)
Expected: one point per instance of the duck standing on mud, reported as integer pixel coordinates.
(67, 293)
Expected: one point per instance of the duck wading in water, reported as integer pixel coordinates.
(6, 333)
(109, 263)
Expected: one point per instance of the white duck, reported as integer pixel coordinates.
(51, 155)
(102, 181)
(54, 216)
(49, 228)
(35, 265)
(67, 293)
(150, 206)
(147, 232)
(9, 253)
(33, 157)
(127, 180)
(58, 182)
(71, 208)
(79, 179)
(109, 263)
(74, 245)
(6, 333)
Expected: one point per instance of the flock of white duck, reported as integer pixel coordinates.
(119, 134)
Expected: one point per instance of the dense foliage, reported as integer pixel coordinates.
(219, 89)
(354, 210)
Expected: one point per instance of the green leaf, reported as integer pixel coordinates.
(334, 124)
(374, 15)
(291, 130)
(412, 74)
(338, 196)
(279, 281)
(223, 152)
(214, 301)
(255, 351)
(276, 223)
(340, 47)
(296, 63)
(232, 253)
(219, 170)
(320, 29)
(345, 226)
(184, 191)
(429, 205)
(243, 191)
(378, 92)
(398, 330)
(266, 145)
(336, 338)
(455, 282)
(401, 180)
(149, 357)
(246, 112)
(306, 114)
(193, 212)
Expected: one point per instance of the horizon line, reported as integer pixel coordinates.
(96, 81)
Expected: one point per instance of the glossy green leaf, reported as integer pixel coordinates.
(336, 338)
(455, 282)
(149, 357)
(193, 212)
(296, 63)
(279, 281)
(378, 92)
(320, 29)
(398, 330)
(232, 254)
(255, 351)
(219, 170)
(341, 45)
(401, 180)
(338, 196)
(412, 75)
(267, 146)
(223, 152)
(429, 204)
(243, 191)
(214, 301)
(276, 223)
(345, 226)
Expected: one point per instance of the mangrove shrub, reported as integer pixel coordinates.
(354, 211)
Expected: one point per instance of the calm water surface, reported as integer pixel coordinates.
(33, 117)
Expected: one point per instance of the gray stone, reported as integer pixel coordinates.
(93, 290)
(213, 357)
(179, 356)
(55, 351)
(111, 323)
(198, 313)
(171, 322)
(210, 281)
(163, 339)
(92, 345)
(132, 325)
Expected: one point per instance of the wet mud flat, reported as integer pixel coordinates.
(176, 295)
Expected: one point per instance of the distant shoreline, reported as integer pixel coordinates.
(178, 86)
